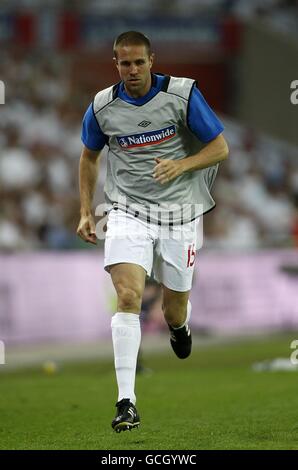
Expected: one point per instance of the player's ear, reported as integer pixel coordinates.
(151, 59)
(115, 61)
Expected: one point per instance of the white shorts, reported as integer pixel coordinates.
(168, 251)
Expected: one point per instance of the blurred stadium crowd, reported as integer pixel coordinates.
(281, 14)
(256, 190)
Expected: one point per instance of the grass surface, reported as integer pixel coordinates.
(213, 400)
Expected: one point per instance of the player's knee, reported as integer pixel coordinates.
(129, 298)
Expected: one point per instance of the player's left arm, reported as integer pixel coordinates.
(206, 126)
(214, 152)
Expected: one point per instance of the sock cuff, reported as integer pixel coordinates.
(189, 308)
(125, 319)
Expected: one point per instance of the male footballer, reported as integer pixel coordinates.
(164, 145)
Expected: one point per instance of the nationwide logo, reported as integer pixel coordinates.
(146, 138)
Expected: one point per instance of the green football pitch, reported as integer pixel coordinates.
(213, 400)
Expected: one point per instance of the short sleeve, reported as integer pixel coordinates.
(92, 136)
(202, 121)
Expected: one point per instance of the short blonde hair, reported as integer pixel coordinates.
(132, 38)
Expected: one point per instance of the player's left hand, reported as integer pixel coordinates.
(167, 170)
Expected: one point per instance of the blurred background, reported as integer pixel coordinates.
(55, 298)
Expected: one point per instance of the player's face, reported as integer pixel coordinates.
(134, 66)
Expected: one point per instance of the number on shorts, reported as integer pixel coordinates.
(191, 254)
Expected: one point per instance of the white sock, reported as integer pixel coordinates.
(188, 314)
(126, 334)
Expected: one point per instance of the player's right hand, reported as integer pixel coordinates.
(86, 229)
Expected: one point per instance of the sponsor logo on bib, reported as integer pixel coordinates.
(146, 138)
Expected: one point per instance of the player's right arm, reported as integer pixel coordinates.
(94, 141)
(88, 173)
